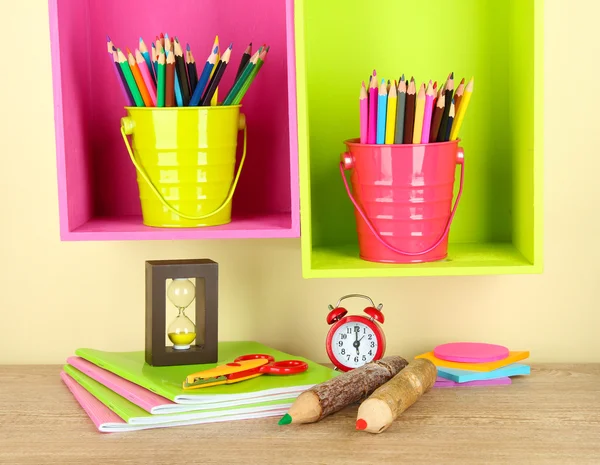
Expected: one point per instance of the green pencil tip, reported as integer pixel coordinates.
(285, 420)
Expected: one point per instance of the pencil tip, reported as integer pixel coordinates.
(361, 424)
(285, 420)
(412, 79)
(107, 38)
(374, 73)
(452, 75)
(166, 35)
(403, 79)
(230, 46)
(187, 47)
(215, 49)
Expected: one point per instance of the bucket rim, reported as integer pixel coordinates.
(194, 108)
(354, 142)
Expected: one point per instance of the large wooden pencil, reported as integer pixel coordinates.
(460, 115)
(244, 60)
(170, 80)
(448, 96)
(184, 85)
(387, 402)
(135, 92)
(352, 386)
(400, 111)
(214, 81)
(191, 68)
(392, 103)
(419, 115)
(409, 114)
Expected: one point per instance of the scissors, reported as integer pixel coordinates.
(243, 368)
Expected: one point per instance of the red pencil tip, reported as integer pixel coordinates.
(361, 424)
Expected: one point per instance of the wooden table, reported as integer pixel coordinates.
(551, 416)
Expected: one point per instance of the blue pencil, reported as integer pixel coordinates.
(146, 55)
(204, 77)
(381, 112)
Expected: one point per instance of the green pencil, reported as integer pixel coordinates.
(240, 82)
(400, 109)
(261, 59)
(160, 80)
(135, 92)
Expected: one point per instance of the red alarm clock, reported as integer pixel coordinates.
(354, 340)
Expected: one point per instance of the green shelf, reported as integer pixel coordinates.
(498, 228)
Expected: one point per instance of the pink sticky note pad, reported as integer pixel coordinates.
(470, 352)
(443, 383)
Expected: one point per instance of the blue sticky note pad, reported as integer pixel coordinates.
(462, 376)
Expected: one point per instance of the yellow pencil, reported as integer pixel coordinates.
(390, 124)
(462, 109)
(419, 114)
(215, 99)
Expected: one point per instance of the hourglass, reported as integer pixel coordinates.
(171, 281)
(181, 292)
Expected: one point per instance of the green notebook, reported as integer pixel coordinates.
(134, 415)
(167, 381)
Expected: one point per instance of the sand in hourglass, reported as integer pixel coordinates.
(182, 339)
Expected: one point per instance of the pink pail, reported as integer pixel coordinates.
(402, 196)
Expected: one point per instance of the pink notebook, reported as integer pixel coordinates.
(106, 421)
(443, 382)
(148, 400)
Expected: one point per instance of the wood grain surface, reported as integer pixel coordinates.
(551, 416)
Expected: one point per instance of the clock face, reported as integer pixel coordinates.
(354, 343)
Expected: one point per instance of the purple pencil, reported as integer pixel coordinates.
(372, 126)
(429, 96)
(111, 53)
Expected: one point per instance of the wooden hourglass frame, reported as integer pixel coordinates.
(206, 312)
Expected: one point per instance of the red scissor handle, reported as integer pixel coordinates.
(285, 367)
(254, 357)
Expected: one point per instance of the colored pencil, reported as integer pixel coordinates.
(372, 128)
(419, 114)
(392, 103)
(244, 60)
(261, 59)
(159, 48)
(182, 78)
(429, 96)
(144, 51)
(448, 96)
(191, 68)
(203, 79)
(130, 79)
(409, 116)
(147, 77)
(218, 74)
(459, 93)
(177, 88)
(364, 113)
(462, 109)
(400, 110)
(170, 80)
(237, 85)
(436, 119)
(161, 39)
(451, 114)
(168, 46)
(118, 72)
(154, 60)
(215, 97)
(381, 112)
(160, 80)
(139, 80)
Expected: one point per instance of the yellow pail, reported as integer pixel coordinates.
(185, 161)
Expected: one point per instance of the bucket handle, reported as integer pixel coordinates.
(348, 163)
(146, 178)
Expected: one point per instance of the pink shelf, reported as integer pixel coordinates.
(97, 188)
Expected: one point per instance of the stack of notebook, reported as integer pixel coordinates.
(119, 391)
(453, 373)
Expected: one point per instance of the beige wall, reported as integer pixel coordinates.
(70, 295)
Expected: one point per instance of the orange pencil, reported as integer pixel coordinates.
(145, 72)
(139, 80)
